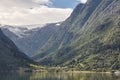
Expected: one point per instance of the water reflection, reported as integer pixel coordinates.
(59, 76)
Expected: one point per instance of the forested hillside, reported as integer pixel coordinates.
(88, 39)
(10, 56)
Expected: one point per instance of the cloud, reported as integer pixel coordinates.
(26, 12)
(23, 3)
(42, 1)
(37, 15)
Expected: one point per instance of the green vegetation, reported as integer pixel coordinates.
(11, 59)
(87, 40)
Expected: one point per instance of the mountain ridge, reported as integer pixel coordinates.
(92, 33)
(10, 56)
(87, 40)
(29, 40)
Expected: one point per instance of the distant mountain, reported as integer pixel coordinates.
(10, 56)
(32, 37)
(88, 39)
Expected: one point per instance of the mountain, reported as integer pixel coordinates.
(10, 56)
(88, 39)
(30, 38)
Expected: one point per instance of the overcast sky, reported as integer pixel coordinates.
(26, 12)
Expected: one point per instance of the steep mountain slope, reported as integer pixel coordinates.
(88, 39)
(69, 30)
(10, 57)
(30, 40)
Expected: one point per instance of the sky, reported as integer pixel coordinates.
(28, 12)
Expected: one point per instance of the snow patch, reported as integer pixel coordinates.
(58, 24)
(21, 31)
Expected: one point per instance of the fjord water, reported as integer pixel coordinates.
(59, 76)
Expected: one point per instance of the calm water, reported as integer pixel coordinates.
(59, 76)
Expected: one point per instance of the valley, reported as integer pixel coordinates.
(88, 40)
